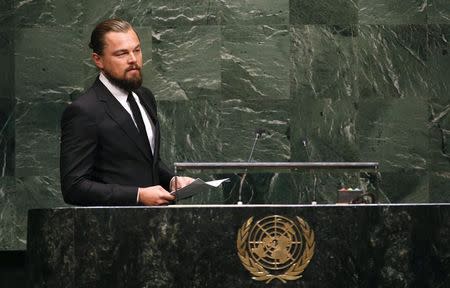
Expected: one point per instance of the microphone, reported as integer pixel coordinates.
(306, 146)
(258, 133)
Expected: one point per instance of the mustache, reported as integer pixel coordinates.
(133, 67)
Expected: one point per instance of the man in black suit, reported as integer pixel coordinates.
(110, 135)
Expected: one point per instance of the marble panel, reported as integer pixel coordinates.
(440, 187)
(392, 61)
(405, 186)
(438, 62)
(254, 12)
(167, 122)
(240, 120)
(7, 101)
(186, 62)
(339, 12)
(42, 13)
(19, 194)
(323, 62)
(195, 131)
(393, 11)
(392, 111)
(324, 87)
(7, 139)
(38, 138)
(394, 133)
(12, 226)
(7, 60)
(138, 13)
(185, 13)
(255, 62)
(7, 13)
(324, 130)
(438, 12)
(88, 68)
(48, 64)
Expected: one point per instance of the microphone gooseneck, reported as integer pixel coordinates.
(259, 133)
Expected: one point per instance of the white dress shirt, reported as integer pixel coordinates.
(121, 96)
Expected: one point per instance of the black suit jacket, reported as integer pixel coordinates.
(103, 158)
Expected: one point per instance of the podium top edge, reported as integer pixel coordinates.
(276, 165)
(242, 206)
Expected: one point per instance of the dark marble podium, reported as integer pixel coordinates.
(195, 246)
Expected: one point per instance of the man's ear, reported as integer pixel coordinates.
(97, 60)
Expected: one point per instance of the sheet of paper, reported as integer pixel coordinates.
(217, 183)
(196, 187)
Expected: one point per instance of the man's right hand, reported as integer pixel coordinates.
(154, 195)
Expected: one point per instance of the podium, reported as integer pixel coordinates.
(246, 245)
(207, 245)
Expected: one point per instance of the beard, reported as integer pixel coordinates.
(125, 83)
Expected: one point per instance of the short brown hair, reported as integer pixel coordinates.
(110, 25)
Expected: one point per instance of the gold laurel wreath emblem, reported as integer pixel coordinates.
(259, 272)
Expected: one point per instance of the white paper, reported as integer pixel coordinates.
(217, 183)
(197, 186)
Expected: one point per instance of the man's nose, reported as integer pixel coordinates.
(131, 58)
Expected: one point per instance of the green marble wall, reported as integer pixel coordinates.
(342, 80)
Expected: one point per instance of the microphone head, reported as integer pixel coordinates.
(260, 131)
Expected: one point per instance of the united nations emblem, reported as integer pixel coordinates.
(275, 247)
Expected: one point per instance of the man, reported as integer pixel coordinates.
(110, 135)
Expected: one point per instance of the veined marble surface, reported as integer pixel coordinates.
(339, 80)
(195, 246)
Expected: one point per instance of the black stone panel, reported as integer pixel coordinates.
(13, 269)
(355, 246)
(51, 238)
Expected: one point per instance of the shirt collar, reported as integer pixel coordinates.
(117, 92)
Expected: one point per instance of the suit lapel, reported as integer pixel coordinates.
(118, 114)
